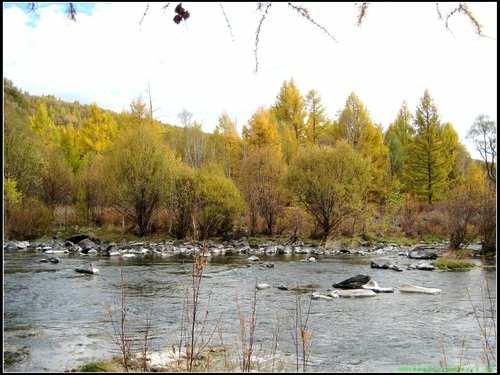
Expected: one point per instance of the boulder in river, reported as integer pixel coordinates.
(88, 269)
(282, 287)
(355, 282)
(420, 253)
(408, 288)
(384, 264)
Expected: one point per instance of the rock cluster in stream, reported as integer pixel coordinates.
(89, 245)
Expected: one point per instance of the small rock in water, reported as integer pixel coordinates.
(263, 286)
(282, 287)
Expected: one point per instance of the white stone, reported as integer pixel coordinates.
(408, 288)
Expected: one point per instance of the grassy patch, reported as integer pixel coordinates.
(449, 264)
(100, 366)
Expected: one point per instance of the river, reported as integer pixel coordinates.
(56, 319)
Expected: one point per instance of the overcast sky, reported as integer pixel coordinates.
(206, 67)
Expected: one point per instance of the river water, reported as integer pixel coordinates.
(56, 319)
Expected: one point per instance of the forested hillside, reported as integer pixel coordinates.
(292, 170)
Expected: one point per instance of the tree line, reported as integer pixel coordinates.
(292, 169)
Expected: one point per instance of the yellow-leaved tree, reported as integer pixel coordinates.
(228, 144)
(329, 182)
(97, 132)
(357, 128)
(138, 170)
(262, 130)
(260, 182)
(219, 202)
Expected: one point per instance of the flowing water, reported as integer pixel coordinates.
(56, 319)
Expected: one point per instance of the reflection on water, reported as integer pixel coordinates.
(56, 319)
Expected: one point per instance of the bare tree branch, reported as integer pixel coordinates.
(260, 7)
(164, 8)
(182, 15)
(305, 13)
(144, 15)
(463, 9)
(362, 12)
(227, 21)
(440, 16)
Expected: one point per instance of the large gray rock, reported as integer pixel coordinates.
(355, 282)
(384, 264)
(408, 288)
(421, 253)
(88, 268)
(86, 245)
(10, 246)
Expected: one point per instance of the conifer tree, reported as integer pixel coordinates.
(316, 119)
(290, 109)
(428, 164)
(398, 138)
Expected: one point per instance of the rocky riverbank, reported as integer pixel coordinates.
(88, 245)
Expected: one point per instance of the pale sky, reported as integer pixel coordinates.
(206, 67)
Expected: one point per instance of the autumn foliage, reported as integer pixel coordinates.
(292, 171)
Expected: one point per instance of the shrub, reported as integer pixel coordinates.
(99, 366)
(30, 220)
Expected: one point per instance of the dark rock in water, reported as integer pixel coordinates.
(77, 238)
(384, 264)
(51, 260)
(419, 253)
(267, 264)
(380, 263)
(80, 237)
(88, 269)
(355, 282)
(282, 287)
(86, 245)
